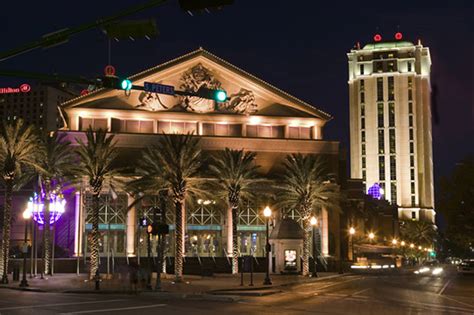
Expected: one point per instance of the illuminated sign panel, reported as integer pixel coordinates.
(290, 259)
(24, 88)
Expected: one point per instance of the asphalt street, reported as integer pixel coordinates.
(351, 294)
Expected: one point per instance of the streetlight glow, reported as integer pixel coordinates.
(267, 212)
(352, 231)
(412, 245)
(27, 214)
(394, 241)
(402, 243)
(313, 221)
(371, 235)
(419, 247)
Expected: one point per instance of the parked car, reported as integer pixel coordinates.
(466, 266)
(430, 268)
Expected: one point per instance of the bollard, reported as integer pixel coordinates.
(242, 272)
(251, 271)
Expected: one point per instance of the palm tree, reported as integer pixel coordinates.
(98, 157)
(172, 165)
(305, 187)
(418, 232)
(55, 164)
(236, 177)
(18, 153)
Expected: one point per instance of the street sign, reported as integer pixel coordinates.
(158, 88)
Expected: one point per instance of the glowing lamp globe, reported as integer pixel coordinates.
(394, 241)
(57, 206)
(352, 231)
(313, 221)
(267, 212)
(371, 235)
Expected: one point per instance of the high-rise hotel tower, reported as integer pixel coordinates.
(390, 123)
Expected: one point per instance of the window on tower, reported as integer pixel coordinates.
(391, 135)
(393, 193)
(381, 142)
(381, 167)
(393, 168)
(391, 114)
(379, 89)
(409, 66)
(361, 67)
(380, 115)
(391, 88)
(362, 97)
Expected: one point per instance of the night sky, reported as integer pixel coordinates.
(298, 46)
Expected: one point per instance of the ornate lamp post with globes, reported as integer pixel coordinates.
(351, 243)
(27, 217)
(267, 213)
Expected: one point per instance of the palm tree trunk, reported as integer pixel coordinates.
(235, 242)
(179, 238)
(46, 231)
(94, 262)
(305, 266)
(6, 228)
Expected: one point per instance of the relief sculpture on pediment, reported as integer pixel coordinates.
(242, 102)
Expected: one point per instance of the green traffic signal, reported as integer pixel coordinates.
(216, 95)
(220, 96)
(126, 84)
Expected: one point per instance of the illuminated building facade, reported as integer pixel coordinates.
(390, 123)
(258, 117)
(36, 105)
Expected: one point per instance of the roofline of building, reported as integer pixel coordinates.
(212, 57)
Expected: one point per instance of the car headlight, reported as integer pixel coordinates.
(437, 271)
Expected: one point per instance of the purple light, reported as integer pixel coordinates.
(375, 191)
(57, 205)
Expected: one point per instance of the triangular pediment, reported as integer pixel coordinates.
(248, 95)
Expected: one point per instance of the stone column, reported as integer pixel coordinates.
(131, 227)
(324, 232)
(78, 224)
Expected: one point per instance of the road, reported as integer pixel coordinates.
(351, 294)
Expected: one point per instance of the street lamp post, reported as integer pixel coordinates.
(351, 244)
(267, 212)
(314, 222)
(26, 216)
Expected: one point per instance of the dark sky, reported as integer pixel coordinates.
(298, 46)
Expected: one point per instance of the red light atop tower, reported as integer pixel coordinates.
(377, 37)
(398, 36)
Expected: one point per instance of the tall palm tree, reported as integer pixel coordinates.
(305, 187)
(55, 165)
(236, 178)
(18, 152)
(98, 157)
(172, 165)
(418, 232)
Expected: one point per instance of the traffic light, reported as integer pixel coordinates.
(196, 5)
(216, 95)
(116, 83)
(158, 228)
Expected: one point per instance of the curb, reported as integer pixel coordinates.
(23, 289)
(284, 285)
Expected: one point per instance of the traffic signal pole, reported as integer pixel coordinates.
(62, 36)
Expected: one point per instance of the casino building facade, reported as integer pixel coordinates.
(258, 117)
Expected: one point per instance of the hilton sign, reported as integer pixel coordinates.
(24, 88)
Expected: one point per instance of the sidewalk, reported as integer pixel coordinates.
(220, 284)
